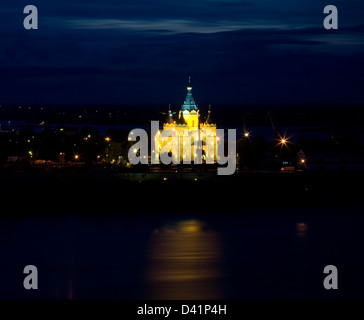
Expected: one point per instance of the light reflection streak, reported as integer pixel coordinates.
(184, 262)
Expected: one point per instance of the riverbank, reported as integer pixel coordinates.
(173, 192)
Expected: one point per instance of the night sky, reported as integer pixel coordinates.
(137, 52)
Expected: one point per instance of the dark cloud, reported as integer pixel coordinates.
(142, 51)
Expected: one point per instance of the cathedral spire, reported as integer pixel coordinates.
(189, 103)
(181, 120)
(169, 117)
(189, 85)
(209, 118)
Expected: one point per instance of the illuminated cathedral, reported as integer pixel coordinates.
(184, 125)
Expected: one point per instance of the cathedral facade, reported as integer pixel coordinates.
(184, 133)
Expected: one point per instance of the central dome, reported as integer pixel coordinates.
(189, 104)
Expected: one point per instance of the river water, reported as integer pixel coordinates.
(255, 254)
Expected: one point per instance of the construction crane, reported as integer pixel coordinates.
(275, 130)
(282, 139)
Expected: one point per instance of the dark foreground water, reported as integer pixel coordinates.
(255, 254)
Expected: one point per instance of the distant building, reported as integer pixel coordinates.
(334, 160)
(187, 122)
(6, 129)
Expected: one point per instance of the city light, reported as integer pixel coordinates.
(246, 134)
(107, 139)
(76, 156)
(283, 141)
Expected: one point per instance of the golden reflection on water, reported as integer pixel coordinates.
(302, 237)
(301, 230)
(65, 290)
(184, 262)
(70, 294)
